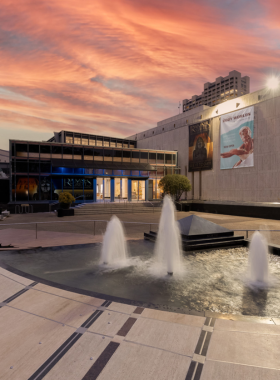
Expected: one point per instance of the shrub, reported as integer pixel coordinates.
(65, 197)
(175, 185)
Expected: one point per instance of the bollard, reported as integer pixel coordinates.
(94, 228)
(247, 234)
(36, 230)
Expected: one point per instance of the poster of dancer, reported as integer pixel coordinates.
(237, 139)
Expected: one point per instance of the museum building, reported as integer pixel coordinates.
(92, 168)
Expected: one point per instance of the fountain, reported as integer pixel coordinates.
(168, 243)
(258, 260)
(114, 248)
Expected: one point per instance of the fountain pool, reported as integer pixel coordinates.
(210, 280)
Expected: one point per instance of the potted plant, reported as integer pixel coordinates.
(65, 200)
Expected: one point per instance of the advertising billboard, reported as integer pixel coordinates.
(237, 139)
(200, 146)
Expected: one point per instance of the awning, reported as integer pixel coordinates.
(102, 165)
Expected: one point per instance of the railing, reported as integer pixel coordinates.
(26, 207)
(36, 224)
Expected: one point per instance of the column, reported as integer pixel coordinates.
(112, 189)
(129, 190)
(146, 190)
(94, 189)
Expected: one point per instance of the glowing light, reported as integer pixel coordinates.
(273, 83)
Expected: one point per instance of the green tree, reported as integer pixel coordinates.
(175, 185)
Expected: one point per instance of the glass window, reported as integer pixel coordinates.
(92, 140)
(99, 188)
(132, 145)
(98, 154)
(169, 170)
(106, 142)
(22, 166)
(118, 191)
(174, 159)
(67, 152)
(152, 158)
(45, 167)
(108, 153)
(119, 143)
(34, 189)
(125, 144)
(135, 156)
(45, 151)
(34, 150)
(117, 155)
(33, 166)
(160, 172)
(56, 151)
(108, 171)
(84, 140)
(135, 172)
(134, 190)
(21, 188)
(117, 172)
(88, 171)
(168, 159)
(21, 150)
(69, 138)
(99, 141)
(126, 172)
(77, 139)
(88, 189)
(113, 143)
(144, 173)
(142, 190)
(98, 171)
(160, 158)
(88, 154)
(144, 157)
(78, 153)
(126, 155)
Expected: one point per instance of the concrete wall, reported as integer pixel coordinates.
(260, 183)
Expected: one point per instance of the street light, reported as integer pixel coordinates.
(273, 83)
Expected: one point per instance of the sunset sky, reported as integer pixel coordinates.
(117, 67)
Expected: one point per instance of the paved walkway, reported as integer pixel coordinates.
(55, 334)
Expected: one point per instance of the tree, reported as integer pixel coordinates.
(175, 185)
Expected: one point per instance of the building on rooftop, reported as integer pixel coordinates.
(223, 89)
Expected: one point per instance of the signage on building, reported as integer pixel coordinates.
(237, 139)
(200, 146)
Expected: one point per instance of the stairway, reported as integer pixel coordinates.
(117, 208)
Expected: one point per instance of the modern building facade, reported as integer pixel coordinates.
(223, 89)
(92, 168)
(4, 163)
(259, 183)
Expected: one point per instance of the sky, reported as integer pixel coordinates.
(118, 67)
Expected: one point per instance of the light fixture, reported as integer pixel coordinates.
(273, 83)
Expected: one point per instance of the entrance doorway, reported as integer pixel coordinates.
(121, 188)
(138, 191)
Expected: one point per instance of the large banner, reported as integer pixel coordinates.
(237, 139)
(200, 146)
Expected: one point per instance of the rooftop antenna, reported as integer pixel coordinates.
(179, 107)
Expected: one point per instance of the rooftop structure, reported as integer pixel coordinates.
(223, 89)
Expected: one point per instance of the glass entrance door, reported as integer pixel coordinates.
(138, 192)
(120, 188)
(99, 188)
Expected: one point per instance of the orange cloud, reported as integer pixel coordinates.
(117, 68)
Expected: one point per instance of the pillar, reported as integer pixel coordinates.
(94, 189)
(112, 189)
(146, 190)
(129, 189)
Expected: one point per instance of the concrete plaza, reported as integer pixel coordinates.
(54, 333)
